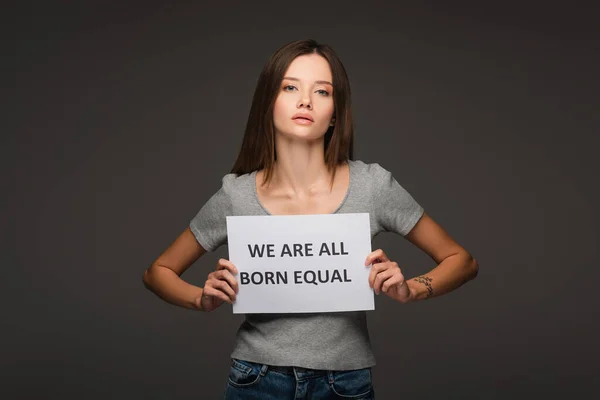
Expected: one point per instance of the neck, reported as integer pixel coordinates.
(300, 169)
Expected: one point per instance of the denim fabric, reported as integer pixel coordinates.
(248, 381)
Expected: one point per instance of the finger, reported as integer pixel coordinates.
(228, 265)
(397, 279)
(224, 287)
(373, 274)
(376, 269)
(226, 275)
(377, 254)
(212, 292)
(381, 278)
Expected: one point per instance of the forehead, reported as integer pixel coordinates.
(309, 67)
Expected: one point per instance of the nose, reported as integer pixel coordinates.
(304, 102)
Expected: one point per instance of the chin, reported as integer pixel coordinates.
(302, 134)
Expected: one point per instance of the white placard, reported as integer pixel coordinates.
(301, 263)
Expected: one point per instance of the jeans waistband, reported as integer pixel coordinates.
(298, 370)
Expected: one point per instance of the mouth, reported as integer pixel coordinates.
(302, 121)
(302, 117)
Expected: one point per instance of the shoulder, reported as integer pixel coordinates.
(237, 189)
(234, 190)
(379, 180)
(233, 183)
(370, 171)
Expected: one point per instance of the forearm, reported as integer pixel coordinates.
(450, 274)
(167, 285)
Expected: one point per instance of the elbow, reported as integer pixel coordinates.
(473, 268)
(153, 277)
(469, 268)
(147, 278)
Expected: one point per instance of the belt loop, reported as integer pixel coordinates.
(263, 369)
(330, 374)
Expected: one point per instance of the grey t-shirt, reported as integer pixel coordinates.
(330, 341)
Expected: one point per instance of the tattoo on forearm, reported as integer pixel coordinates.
(425, 280)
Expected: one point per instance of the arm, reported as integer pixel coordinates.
(163, 276)
(455, 266)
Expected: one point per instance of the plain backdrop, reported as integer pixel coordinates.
(121, 119)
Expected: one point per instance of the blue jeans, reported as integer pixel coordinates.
(249, 380)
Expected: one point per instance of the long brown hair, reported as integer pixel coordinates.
(258, 146)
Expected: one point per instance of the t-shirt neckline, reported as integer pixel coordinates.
(339, 207)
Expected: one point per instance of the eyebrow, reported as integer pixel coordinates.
(298, 80)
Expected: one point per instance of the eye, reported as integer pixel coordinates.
(323, 92)
(289, 88)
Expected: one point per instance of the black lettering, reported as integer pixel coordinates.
(286, 250)
(297, 249)
(270, 250)
(343, 253)
(323, 279)
(256, 281)
(333, 253)
(308, 249)
(312, 280)
(346, 279)
(256, 250)
(324, 249)
(297, 277)
(244, 278)
(282, 277)
(269, 277)
(336, 275)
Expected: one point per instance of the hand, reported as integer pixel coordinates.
(386, 276)
(221, 286)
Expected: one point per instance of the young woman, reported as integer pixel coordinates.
(296, 158)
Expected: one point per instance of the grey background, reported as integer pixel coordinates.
(120, 121)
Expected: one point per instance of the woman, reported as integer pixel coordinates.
(296, 158)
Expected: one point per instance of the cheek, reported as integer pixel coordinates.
(331, 109)
(280, 114)
(328, 109)
(279, 108)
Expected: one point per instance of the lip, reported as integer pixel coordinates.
(302, 115)
(302, 121)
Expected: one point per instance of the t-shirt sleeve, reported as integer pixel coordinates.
(395, 208)
(209, 225)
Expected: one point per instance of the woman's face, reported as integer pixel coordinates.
(304, 106)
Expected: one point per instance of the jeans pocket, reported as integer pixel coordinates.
(353, 384)
(244, 373)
